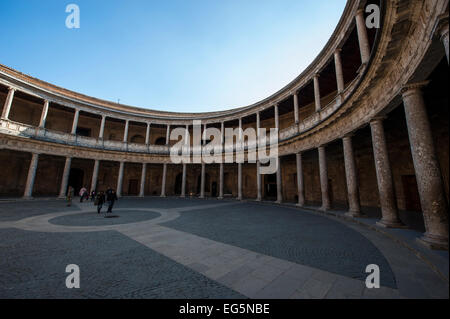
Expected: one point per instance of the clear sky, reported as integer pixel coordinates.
(185, 56)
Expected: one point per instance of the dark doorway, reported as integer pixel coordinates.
(411, 192)
(178, 182)
(214, 189)
(76, 178)
(133, 187)
(160, 141)
(207, 184)
(270, 186)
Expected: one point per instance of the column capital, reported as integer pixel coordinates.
(413, 87)
(12, 89)
(360, 12)
(317, 75)
(348, 135)
(337, 51)
(377, 119)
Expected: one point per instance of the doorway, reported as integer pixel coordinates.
(133, 187)
(76, 178)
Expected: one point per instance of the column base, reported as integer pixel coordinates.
(324, 208)
(201, 197)
(433, 242)
(163, 196)
(258, 200)
(279, 202)
(220, 197)
(27, 197)
(354, 214)
(389, 224)
(300, 204)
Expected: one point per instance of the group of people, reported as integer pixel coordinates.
(109, 197)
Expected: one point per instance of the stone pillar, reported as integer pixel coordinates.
(147, 134)
(183, 183)
(102, 127)
(143, 176)
(351, 178)
(384, 176)
(300, 181)
(168, 135)
(279, 184)
(240, 149)
(221, 168)
(44, 114)
(296, 114)
(317, 92)
(120, 179)
(277, 117)
(363, 40)
(28, 194)
(339, 72)
(202, 184)
(95, 175)
(8, 104)
(221, 181)
(444, 39)
(75, 121)
(125, 133)
(239, 181)
(163, 184)
(65, 178)
(426, 165)
(258, 182)
(324, 187)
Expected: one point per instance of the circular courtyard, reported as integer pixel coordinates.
(190, 248)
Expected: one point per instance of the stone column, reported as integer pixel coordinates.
(279, 184)
(444, 39)
(120, 179)
(384, 176)
(143, 176)
(324, 187)
(221, 168)
(277, 118)
(168, 135)
(8, 103)
(125, 133)
(183, 183)
(65, 178)
(296, 114)
(426, 165)
(221, 181)
(202, 183)
(95, 175)
(317, 92)
(239, 181)
(75, 121)
(339, 72)
(351, 178)
(300, 181)
(147, 134)
(102, 127)
(44, 114)
(28, 194)
(163, 184)
(362, 36)
(240, 149)
(258, 182)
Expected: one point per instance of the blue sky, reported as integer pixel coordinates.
(186, 56)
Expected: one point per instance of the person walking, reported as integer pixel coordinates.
(93, 193)
(70, 194)
(111, 197)
(82, 194)
(99, 201)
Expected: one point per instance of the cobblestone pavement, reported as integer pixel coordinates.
(188, 248)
